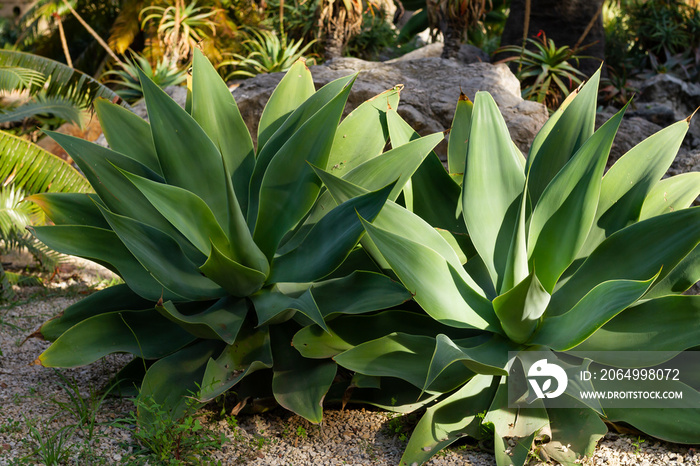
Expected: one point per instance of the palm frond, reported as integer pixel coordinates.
(61, 80)
(17, 78)
(14, 214)
(42, 105)
(34, 170)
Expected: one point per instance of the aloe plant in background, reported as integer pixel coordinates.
(226, 251)
(550, 254)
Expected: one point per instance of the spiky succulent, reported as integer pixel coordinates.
(548, 253)
(226, 251)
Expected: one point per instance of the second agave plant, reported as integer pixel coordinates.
(545, 254)
(226, 250)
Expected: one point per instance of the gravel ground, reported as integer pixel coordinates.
(31, 417)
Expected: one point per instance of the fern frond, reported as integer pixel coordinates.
(35, 170)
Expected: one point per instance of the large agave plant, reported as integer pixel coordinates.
(548, 254)
(226, 252)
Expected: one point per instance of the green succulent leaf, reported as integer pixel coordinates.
(70, 208)
(625, 186)
(671, 194)
(114, 332)
(105, 248)
(656, 325)
(677, 425)
(575, 433)
(492, 187)
(272, 303)
(561, 137)
(434, 281)
(665, 240)
(235, 278)
(114, 298)
(223, 124)
(290, 187)
(162, 257)
(520, 309)
(459, 135)
(177, 138)
(601, 304)
(221, 320)
(487, 358)
(330, 241)
(346, 332)
(565, 212)
(295, 87)
(171, 380)
(299, 384)
(128, 134)
(403, 356)
(251, 352)
(450, 419)
(680, 279)
(291, 126)
(362, 135)
(105, 169)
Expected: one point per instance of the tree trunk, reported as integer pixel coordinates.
(563, 21)
(333, 45)
(453, 42)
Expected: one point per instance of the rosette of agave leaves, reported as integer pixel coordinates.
(549, 253)
(226, 250)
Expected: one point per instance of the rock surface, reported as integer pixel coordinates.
(428, 100)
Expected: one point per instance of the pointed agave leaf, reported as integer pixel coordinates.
(235, 278)
(185, 211)
(291, 125)
(223, 124)
(561, 137)
(680, 279)
(671, 194)
(437, 285)
(296, 86)
(250, 353)
(271, 303)
(299, 384)
(105, 169)
(488, 358)
(575, 433)
(450, 419)
(162, 257)
(330, 241)
(677, 425)
(221, 320)
(665, 240)
(519, 309)
(128, 134)
(114, 298)
(116, 332)
(188, 158)
(493, 183)
(459, 135)
(105, 248)
(404, 356)
(627, 183)
(656, 325)
(601, 304)
(349, 331)
(70, 208)
(290, 187)
(170, 381)
(362, 135)
(565, 212)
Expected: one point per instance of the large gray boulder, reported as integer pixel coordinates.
(429, 97)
